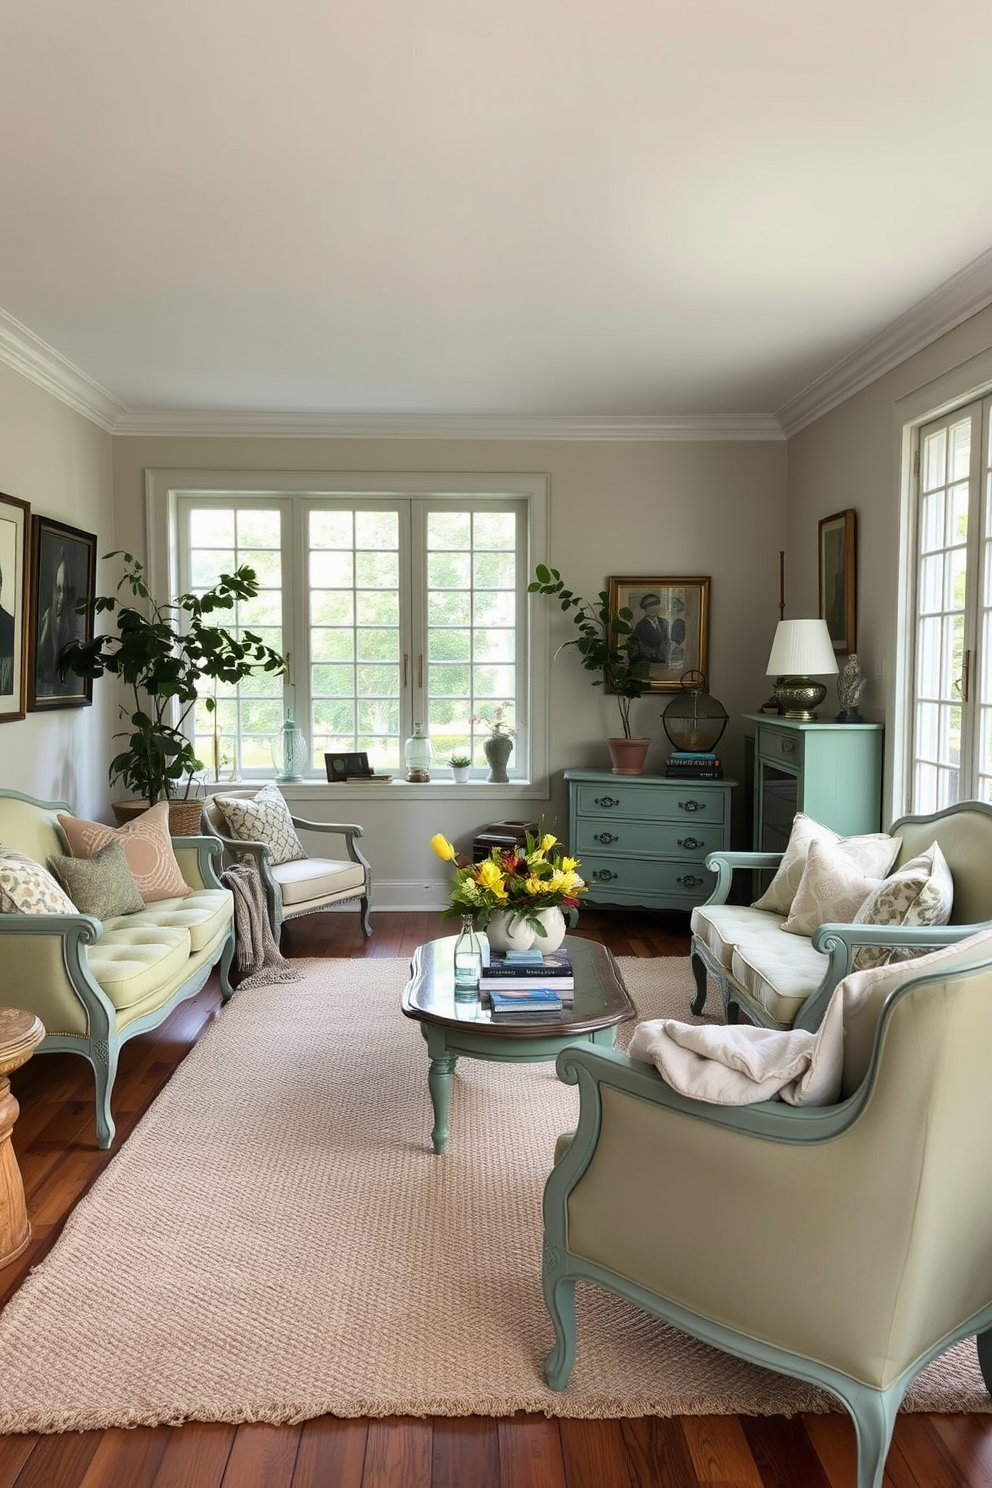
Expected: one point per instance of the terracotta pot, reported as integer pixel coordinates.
(627, 756)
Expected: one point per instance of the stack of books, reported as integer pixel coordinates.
(530, 1005)
(521, 973)
(690, 764)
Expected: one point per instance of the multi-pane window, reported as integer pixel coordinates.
(391, 611)
(951, 747)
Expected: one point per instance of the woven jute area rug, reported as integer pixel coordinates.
(277, 1240)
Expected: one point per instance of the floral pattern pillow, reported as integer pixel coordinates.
(921, 892)
(875, 853)
(832, 889)
(265, 818)
(27, 888)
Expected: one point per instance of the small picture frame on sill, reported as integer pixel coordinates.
(341, 766)
(838, 579)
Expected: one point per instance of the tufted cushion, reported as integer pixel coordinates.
(833, 888)
(920, 893)
(27, 888)
(777, 972)
(135, 959)
(874, 853)
(721, 927)
(147, 847)
(204, 915)
(315, 878)
(102, 885)
(265, 818)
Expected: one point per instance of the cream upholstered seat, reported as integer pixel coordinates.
(303, 885)
(846, 1245)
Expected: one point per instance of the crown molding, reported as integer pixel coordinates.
(947, 306)
(192, 423)
(40, 363)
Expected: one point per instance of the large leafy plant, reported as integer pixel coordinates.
(605, 643)
(163, 653)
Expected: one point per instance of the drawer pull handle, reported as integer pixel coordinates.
(692, 805)
(605, 837)
(689, 881)
(606, 874)
(788, 746)
(606, 801)
(689, 843)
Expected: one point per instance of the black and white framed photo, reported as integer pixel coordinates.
(15, 527)
(63, 572)
(670, 619)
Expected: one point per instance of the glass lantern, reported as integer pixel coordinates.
(289, 751)
(418, 755)
(694, 721)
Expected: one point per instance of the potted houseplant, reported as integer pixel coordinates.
(460, 765)
(605, 644)
(162, 653)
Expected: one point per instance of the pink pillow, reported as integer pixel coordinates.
(147, 850)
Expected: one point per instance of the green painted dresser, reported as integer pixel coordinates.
(643, 839)
(831, 771)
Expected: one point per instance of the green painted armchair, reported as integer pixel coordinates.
(847, 1245)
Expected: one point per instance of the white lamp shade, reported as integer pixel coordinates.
(801, 648)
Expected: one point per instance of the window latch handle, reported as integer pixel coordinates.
(962, 684)
(406, 663)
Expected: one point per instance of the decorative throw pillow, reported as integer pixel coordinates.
(875, 852)
(147, 849)
(102, 885)
(27, 888)
(266, 818)
(921, 892)
(833, 888)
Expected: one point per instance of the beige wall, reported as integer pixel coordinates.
(673, 507)
(60, 463)
(852, 457)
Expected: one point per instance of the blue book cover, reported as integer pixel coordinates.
(525, 1000)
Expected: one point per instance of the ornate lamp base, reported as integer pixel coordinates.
(799, 697)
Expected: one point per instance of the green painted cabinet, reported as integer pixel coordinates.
(644, 839)
(830, 771)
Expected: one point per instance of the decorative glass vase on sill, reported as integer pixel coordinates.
(418, 756)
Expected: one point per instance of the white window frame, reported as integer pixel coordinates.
(164, 487)
(967, 383)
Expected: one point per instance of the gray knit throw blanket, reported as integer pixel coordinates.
(259, 959)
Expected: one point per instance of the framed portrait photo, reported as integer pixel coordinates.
(340, 766)
(63, 572)
(15, 530)
(838, 579)
(671, 619)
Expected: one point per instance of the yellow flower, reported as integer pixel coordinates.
(443, 848)
(490, 876)
(569, 865)
(547, 842)
(537, 886)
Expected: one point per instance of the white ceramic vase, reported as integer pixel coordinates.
(554, 930)
(508, 932)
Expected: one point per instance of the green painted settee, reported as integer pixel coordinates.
(95, 984)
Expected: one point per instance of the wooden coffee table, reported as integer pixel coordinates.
(464, 1026)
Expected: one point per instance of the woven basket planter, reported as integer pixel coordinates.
(184, 816)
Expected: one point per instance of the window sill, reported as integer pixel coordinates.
(311, 790)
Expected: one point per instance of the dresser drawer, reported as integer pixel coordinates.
(689, 840)
(638, 880)
(681, 802)
(777, 744)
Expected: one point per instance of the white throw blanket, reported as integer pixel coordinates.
(733, 1064)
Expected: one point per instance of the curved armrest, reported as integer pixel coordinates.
(195, 856)
(46, 971)
(725, 864)
(321, 826)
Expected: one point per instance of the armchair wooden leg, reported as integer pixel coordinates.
(224, 969)
(366, 927)
(699, 973)
(103, 1057)
(983, 1344)
(559, 1298)
(874, 1416)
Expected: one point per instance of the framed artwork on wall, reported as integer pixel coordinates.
(63, 572)
(15, 528)
(838, 579)
(671, 625)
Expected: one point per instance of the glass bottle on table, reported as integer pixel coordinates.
(467, 960)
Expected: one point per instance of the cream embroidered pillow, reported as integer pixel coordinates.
(921, 892)
(266, 819)
(832, 888)
(874, 853)
(27, 888)
(147, 848)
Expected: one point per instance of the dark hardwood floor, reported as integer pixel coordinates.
(54, 1140)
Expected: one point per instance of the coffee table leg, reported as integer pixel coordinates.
(439, 1082)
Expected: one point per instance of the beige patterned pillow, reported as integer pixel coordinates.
(921, 892)
(27, 888)
(875, 852)
(832, 888)
(266, 819)
(147, 847)
(102, 885)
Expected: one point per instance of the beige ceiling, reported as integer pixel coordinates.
(512, 208)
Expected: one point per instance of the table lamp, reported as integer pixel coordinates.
(800, 649)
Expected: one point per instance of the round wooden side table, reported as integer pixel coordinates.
(20, 1032)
